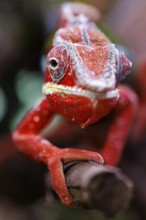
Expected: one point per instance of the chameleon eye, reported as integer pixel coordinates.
(53, 63)
(57, 62)
(123, 66)
(55, 69)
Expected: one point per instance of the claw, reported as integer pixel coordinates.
(69, 155)
(56, 170)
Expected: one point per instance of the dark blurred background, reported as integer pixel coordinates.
(26, 29)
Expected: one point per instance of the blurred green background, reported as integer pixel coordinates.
(26, 27)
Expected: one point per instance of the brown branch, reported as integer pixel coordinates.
(99, 187)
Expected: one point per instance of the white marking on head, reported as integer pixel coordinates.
(84, 34)
(50, 88)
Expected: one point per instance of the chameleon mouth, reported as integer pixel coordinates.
(50, 88)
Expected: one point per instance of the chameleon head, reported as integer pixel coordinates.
(80, 77)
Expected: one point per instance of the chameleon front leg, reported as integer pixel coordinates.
(75, 12)
(124, 114)
(28, 140)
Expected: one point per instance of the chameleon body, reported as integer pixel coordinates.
(82, 76)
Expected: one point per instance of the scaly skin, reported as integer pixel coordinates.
(83, 69)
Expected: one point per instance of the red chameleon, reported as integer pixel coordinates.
(83, 71)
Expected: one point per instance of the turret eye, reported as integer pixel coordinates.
(57, 63)
(53, 63)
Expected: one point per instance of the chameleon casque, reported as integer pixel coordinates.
(82, 76)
